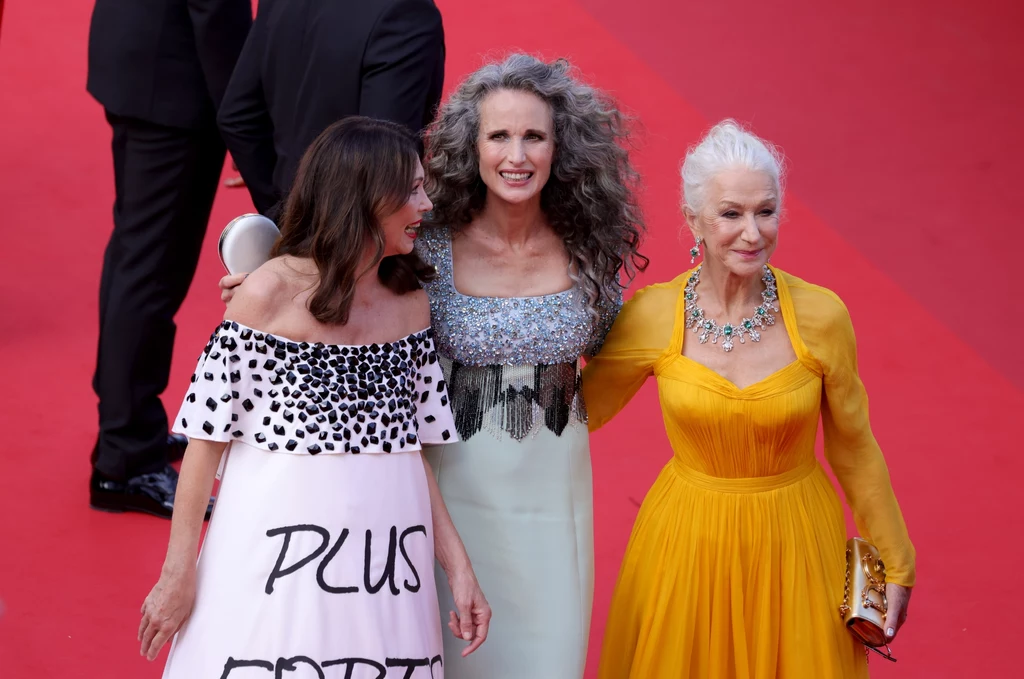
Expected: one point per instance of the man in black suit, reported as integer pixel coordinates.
(159, 68)
(309, 63)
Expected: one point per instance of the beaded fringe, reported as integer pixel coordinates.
(514, 400)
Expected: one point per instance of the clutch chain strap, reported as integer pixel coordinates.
(873, 585)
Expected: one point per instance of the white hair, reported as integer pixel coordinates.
(728, 145)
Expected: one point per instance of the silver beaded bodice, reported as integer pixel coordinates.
(512, 364)
(544, 330)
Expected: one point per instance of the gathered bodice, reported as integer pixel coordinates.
(719, 429)
(763, 432)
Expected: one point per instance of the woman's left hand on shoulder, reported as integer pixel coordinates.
(228, 284)
(898, 599)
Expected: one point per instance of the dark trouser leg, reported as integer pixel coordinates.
(165, 182)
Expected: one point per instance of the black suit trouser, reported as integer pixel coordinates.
(165, 181)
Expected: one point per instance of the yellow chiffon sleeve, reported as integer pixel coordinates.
(850, 447)
(638, 337)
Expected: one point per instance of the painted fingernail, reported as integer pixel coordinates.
(890, 632)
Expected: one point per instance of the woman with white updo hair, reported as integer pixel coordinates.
(736, 565)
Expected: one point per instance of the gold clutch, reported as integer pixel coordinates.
(864, 603)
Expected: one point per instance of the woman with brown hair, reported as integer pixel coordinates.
(312, 401)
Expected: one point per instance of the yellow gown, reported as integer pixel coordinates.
(736, 563)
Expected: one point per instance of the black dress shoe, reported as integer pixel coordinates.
(176, 445)
(148, 493)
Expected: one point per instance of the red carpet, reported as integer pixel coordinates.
(901, 127)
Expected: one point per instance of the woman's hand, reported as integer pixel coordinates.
(472, 616)
(474, 613)
(235, 182)
(165, 610)
(228, 285)
(898, 599)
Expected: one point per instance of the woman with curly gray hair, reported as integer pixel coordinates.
(535, 223)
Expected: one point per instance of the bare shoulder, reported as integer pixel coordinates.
(414, 306)
(386, 316)
(261, 296)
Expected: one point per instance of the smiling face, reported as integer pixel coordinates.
(402, 226)
(515, 145)
(739, 222)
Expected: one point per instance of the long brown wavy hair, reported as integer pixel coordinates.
(356, 172)
(590, 200)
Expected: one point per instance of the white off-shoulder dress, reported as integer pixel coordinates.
(318, 560)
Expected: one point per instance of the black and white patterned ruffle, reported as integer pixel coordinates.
(302, 398)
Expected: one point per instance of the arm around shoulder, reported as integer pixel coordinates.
(639, 335)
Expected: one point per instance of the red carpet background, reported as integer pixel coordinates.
(901, 124)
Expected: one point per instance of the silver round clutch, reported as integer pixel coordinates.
(245, 243)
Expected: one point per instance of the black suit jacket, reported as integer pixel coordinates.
(165, 61)
(309, 63)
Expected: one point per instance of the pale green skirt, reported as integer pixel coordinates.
(525, 511)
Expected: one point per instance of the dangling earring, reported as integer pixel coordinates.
(695, 251)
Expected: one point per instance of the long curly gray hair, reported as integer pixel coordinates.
(590, 199)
